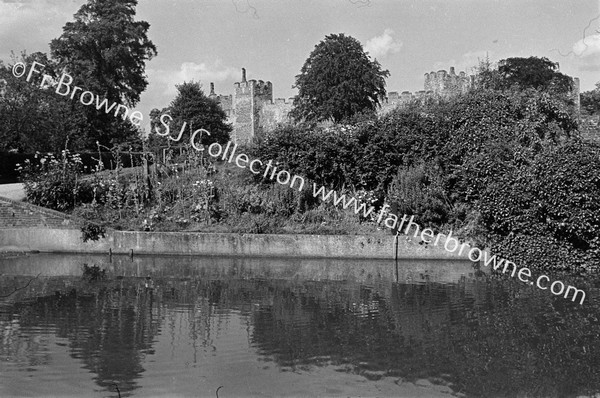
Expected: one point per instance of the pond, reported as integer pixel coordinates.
(201, 326)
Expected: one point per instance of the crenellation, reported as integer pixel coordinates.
(252, 109)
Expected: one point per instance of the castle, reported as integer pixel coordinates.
(252, 109)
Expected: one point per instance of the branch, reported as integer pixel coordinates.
(22, 287)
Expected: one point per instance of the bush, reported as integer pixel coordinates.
(55, 182)
(323, 155)
(419, 190)
(554, 204)
(93, 273)
(92, 231)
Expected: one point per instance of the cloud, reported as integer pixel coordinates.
(204, 73)
(31, 24)
(467, 62)
(590, 63)
(380, 46)
(588, 46)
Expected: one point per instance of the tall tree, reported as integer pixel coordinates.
(590, 101)
(105, 51)
(533, 72)
(190, 111)
(34, 118)
(337, 81)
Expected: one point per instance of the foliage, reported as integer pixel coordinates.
(93, 273)
(526, 74)
(590, 101)
(192, 110)
(322, 155)
(33, 118)
(105, 51)
(55, 183)
(337, 81)
(505, 168)
(92, 231)
(554, 201)
(454, 134)
(420, 190)
(533, 72)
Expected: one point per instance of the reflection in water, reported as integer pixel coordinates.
(203, 328)
(110, 332)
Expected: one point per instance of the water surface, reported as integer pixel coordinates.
(184, 326)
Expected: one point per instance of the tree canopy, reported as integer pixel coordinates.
(105, 51)
(590, 101)
(191, 110)
(33, 118)
(522, 73)
(337, 81)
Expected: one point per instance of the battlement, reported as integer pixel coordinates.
(253, 87)
(446, 84)
(252, 109)
(288, 101)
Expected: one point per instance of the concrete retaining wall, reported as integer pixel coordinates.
(181, 243)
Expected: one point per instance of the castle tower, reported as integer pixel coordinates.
(576, 96)
(248, 99)
(446, 84)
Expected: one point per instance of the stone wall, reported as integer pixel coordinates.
(395, 100)
(252, 109)
(446, 84)
(275, 113)
(223, 244)
(15, 214)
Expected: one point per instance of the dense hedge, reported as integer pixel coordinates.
(507, 164)
(555, 199)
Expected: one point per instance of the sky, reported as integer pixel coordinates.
(210, 40)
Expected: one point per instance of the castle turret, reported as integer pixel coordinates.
(249, 97)
(576, 96)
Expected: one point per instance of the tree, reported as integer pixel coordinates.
(33, 118)
(190, 111)
(590, 101)
(533, 72)
(105, 51)
(337, 81)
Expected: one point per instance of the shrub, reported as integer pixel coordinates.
(55, 182)
(92, 231)
(554, 204)
(93, 273)
(419, 190)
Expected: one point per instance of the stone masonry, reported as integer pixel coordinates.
(251, 109)
(15, 214)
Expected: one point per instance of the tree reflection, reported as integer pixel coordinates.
(110, 331)
(502, 341)
(481, 338)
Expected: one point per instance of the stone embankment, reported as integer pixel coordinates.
(25, 227)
